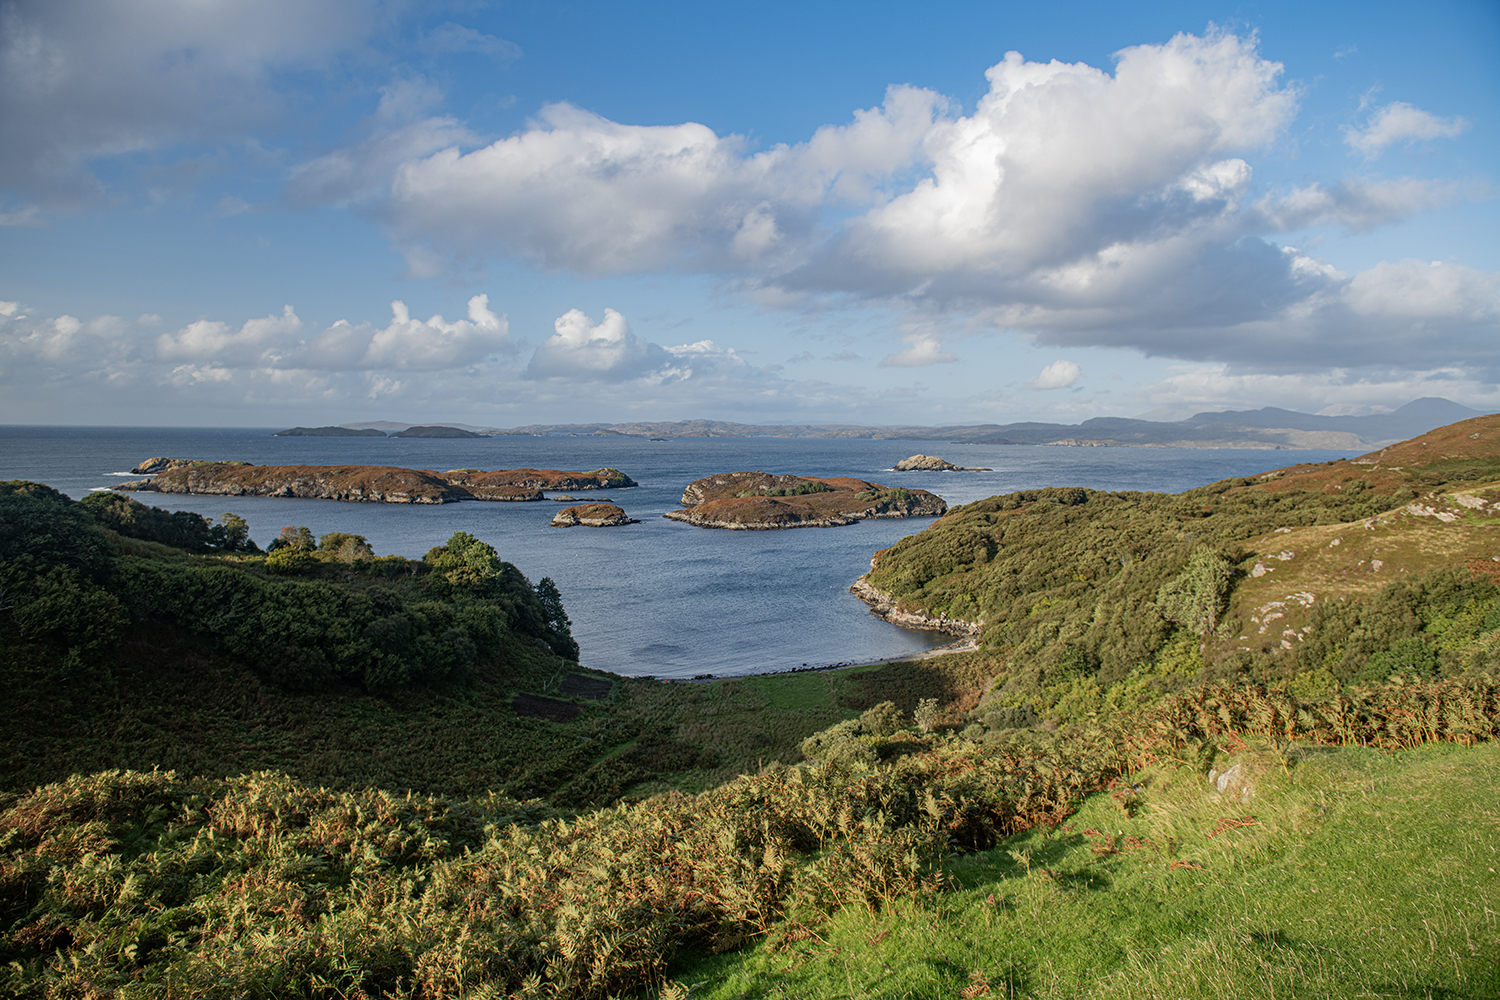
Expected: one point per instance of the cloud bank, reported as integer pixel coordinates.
(1074, 205)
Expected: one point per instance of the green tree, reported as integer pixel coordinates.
(1195, 597)
(557, 619)
(465, 561)
(290, 537)
(346, 547)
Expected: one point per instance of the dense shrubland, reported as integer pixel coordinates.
(306, 615)
(1094, 602)
(549, 870)
(134, 885)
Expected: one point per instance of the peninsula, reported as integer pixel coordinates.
(760, 501)
(370, 483)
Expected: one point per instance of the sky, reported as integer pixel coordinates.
(279, 212)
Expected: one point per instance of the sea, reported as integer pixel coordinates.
(659, 598)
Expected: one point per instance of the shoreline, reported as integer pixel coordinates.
(966, 644)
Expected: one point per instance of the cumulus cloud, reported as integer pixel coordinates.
(1058, 375)
(1400, 122)
(921, 349)
(1358, 204)
(581, 350)
(1075, 205)
(580, 192)
(82, 80)
(277, 342)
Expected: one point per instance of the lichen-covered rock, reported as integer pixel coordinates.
(370, 483)
(759, 501)
(931, 463)
(541, 479)
(161, 463)
(592, 515)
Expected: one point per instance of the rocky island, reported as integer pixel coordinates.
(759, 501)
(931, 463)
(592, 515)
(436, 431)
(329, 432)
(367, 483)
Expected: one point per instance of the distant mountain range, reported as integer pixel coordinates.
(1269, 427)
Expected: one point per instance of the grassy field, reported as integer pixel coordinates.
(1323, 873)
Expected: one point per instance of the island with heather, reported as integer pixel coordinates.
(367, 483)
(760, 501)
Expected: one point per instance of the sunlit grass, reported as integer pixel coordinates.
(1348, 873)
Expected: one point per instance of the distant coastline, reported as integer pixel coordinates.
(1269, 429)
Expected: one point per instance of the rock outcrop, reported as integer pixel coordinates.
(541, 479)
(885, 606)
(152, 466)
(366, 483)
(592, 515)
(931, 463)
(759, 501)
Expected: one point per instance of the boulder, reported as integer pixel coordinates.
(931, 463)
(592, 515)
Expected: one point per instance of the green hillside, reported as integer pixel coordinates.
(1232, 742)
(1089, 601)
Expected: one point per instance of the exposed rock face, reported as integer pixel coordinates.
(592, 515)
(931, 463)
(541, 479)
(758, 500)
(368, 483)
(152, 466)
(883, 605)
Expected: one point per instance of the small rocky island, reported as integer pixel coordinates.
(343, 432)
(759, 501)
(367, 483)
(931, 463)
(436, 431)
(592, 515)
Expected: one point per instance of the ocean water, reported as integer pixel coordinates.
(659, 597)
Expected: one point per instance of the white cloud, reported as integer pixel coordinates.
(580, 192)
(921, 349)
(252, 345)
(1058, 375)
(1400, 122)
(283, 343)
(1358, 204)
(82, 80)
(584, 351)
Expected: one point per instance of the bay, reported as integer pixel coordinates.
(660, 597)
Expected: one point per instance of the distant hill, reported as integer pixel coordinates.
(1270, 427)
(329, 432)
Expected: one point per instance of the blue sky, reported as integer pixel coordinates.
(323, 211)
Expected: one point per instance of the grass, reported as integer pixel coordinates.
(1344, 873)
